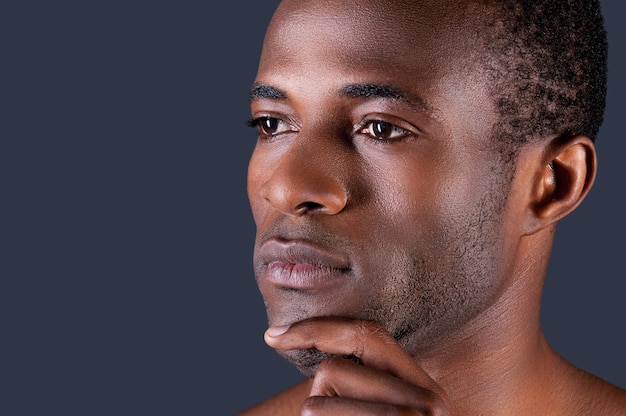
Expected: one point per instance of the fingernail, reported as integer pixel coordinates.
(275, 331)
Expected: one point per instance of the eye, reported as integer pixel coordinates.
(381, 130)
(270, 126)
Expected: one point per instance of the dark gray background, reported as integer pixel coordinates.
(126, 281)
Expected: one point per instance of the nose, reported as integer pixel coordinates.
(306, 179)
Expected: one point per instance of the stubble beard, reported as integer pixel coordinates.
(428, 301)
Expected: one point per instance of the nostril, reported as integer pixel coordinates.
(307, 207)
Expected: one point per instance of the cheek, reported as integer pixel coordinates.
(407, 194)
(429, 205)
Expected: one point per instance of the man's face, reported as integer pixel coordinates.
(374, 186)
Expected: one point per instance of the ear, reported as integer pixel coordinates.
(566, 174)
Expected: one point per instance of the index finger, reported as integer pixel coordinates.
(366, 340)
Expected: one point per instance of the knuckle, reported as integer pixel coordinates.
(364, 331)
(372, 330)
(311, 406)
(369, 328)
(328, 374)
(329, 367)
(432, 404)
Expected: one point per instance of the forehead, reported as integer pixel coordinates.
(430, 47)
(390, 39)
(389, 28)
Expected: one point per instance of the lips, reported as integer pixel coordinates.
(299, 265)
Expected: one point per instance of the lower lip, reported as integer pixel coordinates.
(302, 276)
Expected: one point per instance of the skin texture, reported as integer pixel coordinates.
(400, 258)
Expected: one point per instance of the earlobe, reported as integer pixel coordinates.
(567, 173)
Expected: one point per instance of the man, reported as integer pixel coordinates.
(413, 160)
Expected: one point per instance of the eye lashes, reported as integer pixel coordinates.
(253, 122)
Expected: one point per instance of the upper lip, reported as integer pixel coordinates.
(299, 252)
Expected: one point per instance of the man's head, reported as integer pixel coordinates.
(381, 186)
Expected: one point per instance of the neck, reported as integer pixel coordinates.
(501, 358)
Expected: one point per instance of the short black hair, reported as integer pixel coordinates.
(547, 67)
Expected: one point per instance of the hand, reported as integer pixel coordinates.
(388, 382)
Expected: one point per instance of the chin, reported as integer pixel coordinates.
(306, 361)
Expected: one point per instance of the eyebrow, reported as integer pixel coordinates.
(385, 92)
(261, 91)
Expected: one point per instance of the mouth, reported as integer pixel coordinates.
(299, 265)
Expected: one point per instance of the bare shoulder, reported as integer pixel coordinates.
(599, 397)
(612, 400)
(286, 403)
